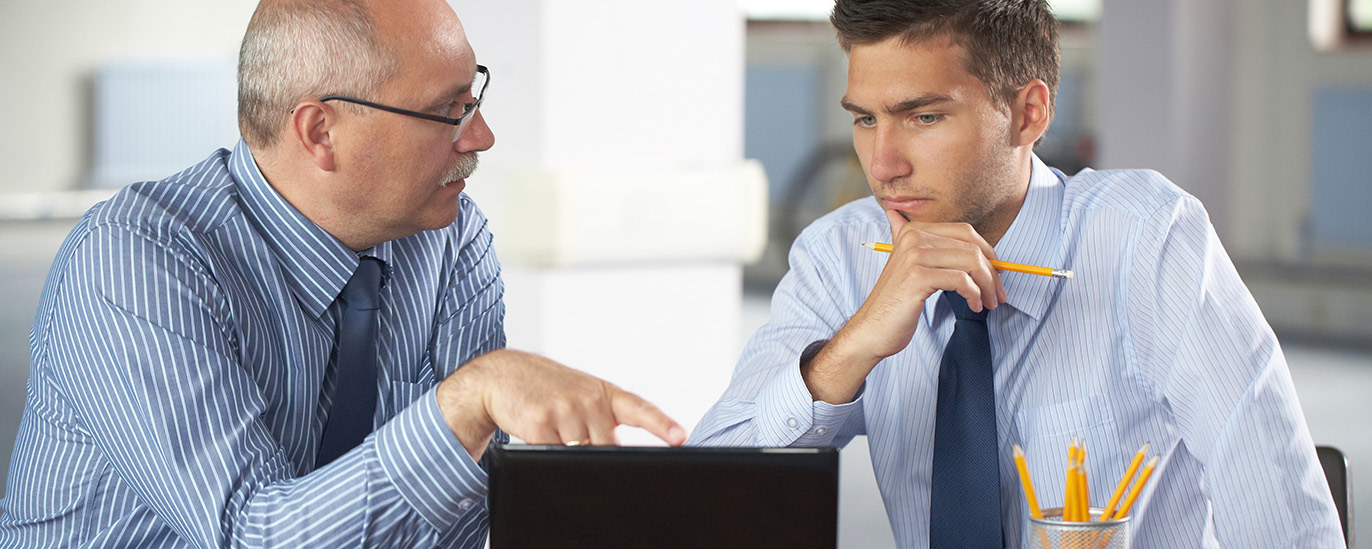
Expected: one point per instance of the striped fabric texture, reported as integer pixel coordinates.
(1156, 340)
(182, 355)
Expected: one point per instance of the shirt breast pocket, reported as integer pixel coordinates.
(404, 393)
(1047, 431)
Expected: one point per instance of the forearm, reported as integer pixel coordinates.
(772, 407)
(835, 369)
(349, 501)
(407, 484)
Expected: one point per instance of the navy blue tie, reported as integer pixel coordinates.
(354, 394)
(965, 493)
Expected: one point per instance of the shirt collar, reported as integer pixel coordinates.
(316, 265)
(1034, 238)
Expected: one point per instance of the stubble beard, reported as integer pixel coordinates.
(984, 193)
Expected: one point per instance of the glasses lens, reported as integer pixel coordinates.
(478, 93)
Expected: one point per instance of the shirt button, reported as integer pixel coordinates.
(465, 504)
(820, 431)
(792, 423)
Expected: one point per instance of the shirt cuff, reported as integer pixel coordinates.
(428, 465)
(789, 416)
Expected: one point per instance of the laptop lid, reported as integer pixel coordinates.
(557, 496)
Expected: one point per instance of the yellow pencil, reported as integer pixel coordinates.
(1029, 495)
(1069, 499)
(999, 265)
(1124, 482)
(1083, 499)
(1078, 511)
(1138, 487)
(1027, 483)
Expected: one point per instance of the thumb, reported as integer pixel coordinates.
(897, 221)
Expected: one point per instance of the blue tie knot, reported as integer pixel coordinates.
(960, 308)
(363, 289)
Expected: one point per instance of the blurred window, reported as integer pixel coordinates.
(1359, 15)
(818, 10)
(1076, 11)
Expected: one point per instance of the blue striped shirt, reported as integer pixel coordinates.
(182, 362)
(1156, 340)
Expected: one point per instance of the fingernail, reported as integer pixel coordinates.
(677, 433)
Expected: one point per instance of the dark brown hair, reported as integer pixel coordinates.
(1008, 42)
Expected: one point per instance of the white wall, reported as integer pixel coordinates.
(1165, 93)
(644, 101)
(48, 49)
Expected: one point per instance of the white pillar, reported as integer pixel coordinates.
(621, 204)
(1166, 93)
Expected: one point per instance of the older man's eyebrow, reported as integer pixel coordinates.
(463, 89)
(457, 92)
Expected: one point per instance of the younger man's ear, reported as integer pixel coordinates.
(1030, 112)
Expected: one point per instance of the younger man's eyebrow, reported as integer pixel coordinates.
(903, 106)
(917, 103)
(852, 107)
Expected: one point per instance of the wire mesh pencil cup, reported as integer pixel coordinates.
(1050, 532)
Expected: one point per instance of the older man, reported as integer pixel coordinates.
(298, 342)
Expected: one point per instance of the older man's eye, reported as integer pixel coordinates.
(928, 119)
(450, 109)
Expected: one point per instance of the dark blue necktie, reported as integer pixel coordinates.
(354, 394)
(965, 495)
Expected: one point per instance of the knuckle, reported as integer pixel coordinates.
(593, 399)
(541, 417)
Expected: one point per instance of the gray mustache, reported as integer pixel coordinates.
(465, 166)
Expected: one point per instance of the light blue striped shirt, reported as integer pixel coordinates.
(1156, 340)
(182, 358)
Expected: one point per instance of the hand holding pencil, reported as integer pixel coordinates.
(1001, 265)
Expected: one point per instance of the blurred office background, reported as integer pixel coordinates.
(639, 243)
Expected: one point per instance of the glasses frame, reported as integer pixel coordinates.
(458, 123)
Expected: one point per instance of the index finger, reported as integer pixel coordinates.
(964, 232)
(958, 231)
(630, 409)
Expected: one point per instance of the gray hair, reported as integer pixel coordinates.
(295, 50)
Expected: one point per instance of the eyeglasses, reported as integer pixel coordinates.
(483, 79)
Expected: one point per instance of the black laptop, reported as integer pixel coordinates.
(609, 497)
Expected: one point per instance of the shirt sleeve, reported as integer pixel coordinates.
(141, 344)
(767, 403)
(1202, 338)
